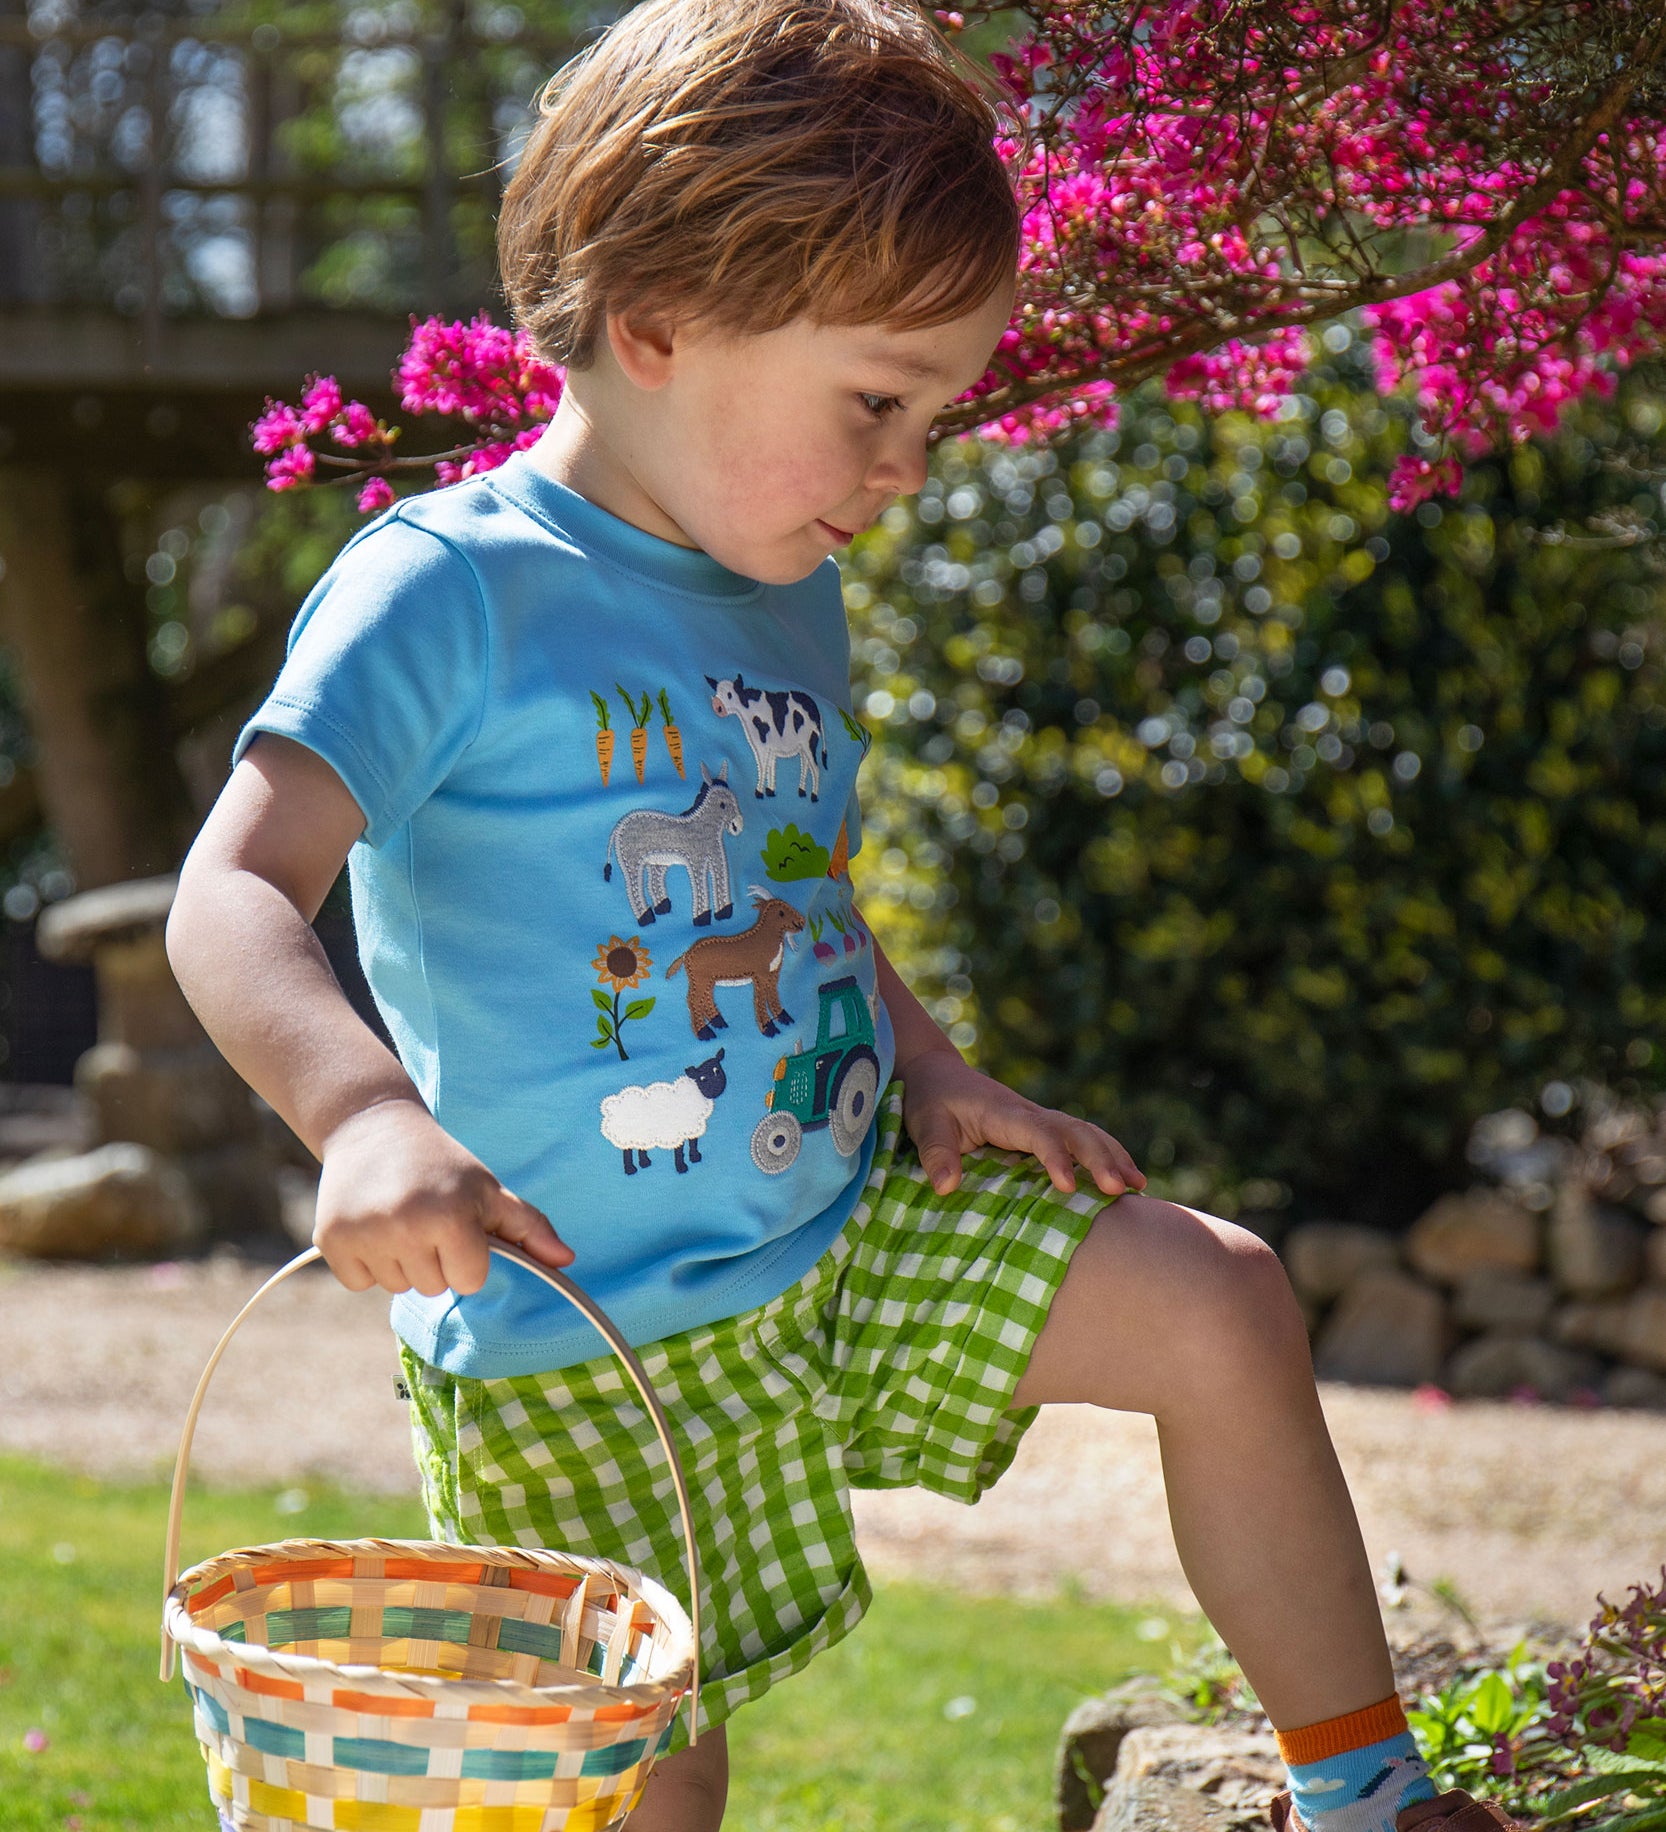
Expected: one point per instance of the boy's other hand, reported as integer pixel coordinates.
(949, 1108)
(402, 1205)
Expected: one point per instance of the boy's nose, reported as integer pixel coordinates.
(901, 471)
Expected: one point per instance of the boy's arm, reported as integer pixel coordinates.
(916, 1031)
(950, 1108)
(400, 1203)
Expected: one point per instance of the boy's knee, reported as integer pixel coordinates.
(1224, 1292)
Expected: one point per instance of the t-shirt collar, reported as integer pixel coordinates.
(599, 532)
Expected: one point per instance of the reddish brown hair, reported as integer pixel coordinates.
(738, 163)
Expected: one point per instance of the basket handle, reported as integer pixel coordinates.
(580, 1302)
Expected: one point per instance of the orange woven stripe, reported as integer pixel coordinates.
(380, 1706)
(271, 1688)
(546, 1583)
(620, 1714)
(201, 1599)
(194, 1663)
(519, 1714)
(428, 1568)
(1336, 1736)
(302, 1568)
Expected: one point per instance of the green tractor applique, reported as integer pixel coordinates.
(834, 1084)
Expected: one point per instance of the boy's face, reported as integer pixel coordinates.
(771, 450)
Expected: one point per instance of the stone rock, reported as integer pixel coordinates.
(171, 1100)
(1477, 1230)
(1495, 1366)
(139, 1000)
(238, 1187)
(1594, 1250)
(1654, 1207)
(1324, 1258)
(119, 1200)
(1091, 1742)
(1636, 1387)
(1631, 1329)
(1504, 1301)
(37, 1117)
(1388, 1329)
(1644, 1340)
(75, 929)
(1594, 1323)
(1191, 1778)
(1654, 1257)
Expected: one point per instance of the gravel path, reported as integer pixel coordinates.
(1529, 1511)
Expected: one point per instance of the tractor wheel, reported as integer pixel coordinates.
(775, 1142)
(851, 1109)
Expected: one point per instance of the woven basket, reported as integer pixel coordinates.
(408, 1686)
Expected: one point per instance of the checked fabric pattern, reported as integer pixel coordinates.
(889, 1364)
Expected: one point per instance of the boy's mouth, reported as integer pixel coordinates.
(838, 534)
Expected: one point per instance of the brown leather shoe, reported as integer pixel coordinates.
(1453, 1811)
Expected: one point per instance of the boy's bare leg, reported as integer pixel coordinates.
(686, 1792)
(1182, 1315)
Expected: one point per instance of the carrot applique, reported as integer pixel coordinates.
(673, 737)
(639, 728)
(604, 736)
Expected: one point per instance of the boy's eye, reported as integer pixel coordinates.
(887, 403)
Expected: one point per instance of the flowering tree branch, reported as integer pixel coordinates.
(1483, 181)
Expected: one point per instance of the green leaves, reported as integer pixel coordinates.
(1282, 835)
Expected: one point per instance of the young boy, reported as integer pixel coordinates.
(627, 983)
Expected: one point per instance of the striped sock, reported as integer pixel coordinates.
(1355, 1773)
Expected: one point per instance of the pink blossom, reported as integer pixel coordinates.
(1151, 243)
(376, 495)
(320, 403)
(35, 1741)
(291, 468)
(276, 428)
(356, 427)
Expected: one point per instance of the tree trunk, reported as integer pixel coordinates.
(109, 783)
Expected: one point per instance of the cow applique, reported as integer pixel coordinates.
(777, 724)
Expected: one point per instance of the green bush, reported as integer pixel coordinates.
(1281, 834)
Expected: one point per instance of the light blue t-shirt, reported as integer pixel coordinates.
(602, 896)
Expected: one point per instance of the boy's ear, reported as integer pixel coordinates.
(643, 347)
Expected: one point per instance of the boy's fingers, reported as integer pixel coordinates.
(523, 1226)
(938, 1157)
(1105, 1157)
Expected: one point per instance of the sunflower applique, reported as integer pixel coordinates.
(622, 966)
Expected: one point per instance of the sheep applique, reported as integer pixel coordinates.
(664, 1115)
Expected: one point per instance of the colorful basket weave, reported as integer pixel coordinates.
(409, 1686)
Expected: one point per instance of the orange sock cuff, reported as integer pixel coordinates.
(1336, 1736)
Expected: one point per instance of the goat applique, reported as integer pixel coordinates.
(752, 955)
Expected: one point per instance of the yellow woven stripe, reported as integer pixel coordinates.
(277, 1802)
(376, 1816)
(592, 1815)
(498, 1819)
(219, 1776)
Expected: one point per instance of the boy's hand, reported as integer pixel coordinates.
(949, 1108)
(401, 1204)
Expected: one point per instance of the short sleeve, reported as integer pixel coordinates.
(385, 674)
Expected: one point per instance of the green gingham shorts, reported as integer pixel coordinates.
(889, 1364)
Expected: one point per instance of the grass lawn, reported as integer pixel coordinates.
(938, 1715)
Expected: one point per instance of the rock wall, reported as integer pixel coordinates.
(1547, 1280)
